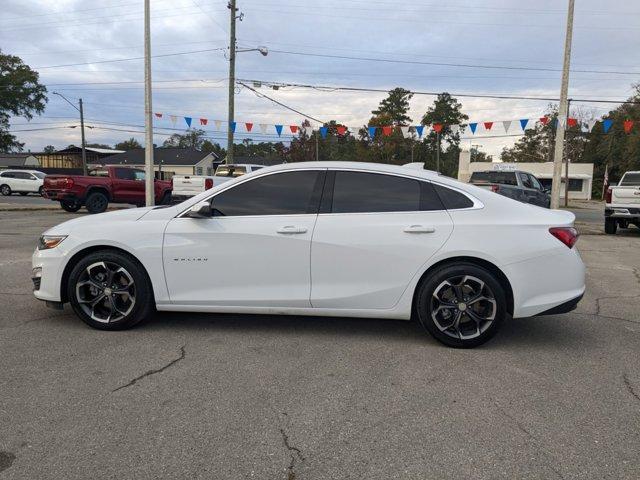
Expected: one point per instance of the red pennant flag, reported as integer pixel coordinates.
(386, 131)
(159, 115)
(203, 121)
(572, 122)
(488, 125)
(628, 125)
(294, 128)
(248, 126)
(437, 127)
(341, 129)
(544, 120)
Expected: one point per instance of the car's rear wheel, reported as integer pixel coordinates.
(109, 290)
(70, 205)
(461, 305)
(166, 199)
(610, 226)
(96, 202)
(41, 191)
(5, 190)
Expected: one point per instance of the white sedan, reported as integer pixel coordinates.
(326, 238)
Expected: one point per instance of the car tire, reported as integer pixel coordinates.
(96, 202)
(41, 191)
(610, 226)
(461, 305)
(166, 199)
(70, 206)
(5, 190)
(110, 290)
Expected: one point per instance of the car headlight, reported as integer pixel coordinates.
(47, 242)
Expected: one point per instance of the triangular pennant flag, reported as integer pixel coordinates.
(627, 125)
(158, 115)
(263, 128)
(188, 121)
(488, 125)
(523, 123)
(606, 125)
(279, 129)
(507, 125)
(386, 131)
(204, 121)
(372, 132)
(248, 126)
(218, 124)
(232, 126)
(544, 120)
(419, 130)
(174, 119)
(572, 122)
(323, 131)
(437, 127)
(293, 128)
(406, 133)
(473, 127)
(341, 129)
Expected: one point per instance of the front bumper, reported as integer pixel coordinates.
(47, 267)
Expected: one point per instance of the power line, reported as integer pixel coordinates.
(280, 103)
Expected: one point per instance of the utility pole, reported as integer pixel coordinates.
(438, 152)
(148, 115)
(317, 146)
(232, 77)
(562, 111)
(566, 164)
(84, 143)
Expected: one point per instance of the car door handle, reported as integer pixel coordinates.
(419, 229)
(291, 229)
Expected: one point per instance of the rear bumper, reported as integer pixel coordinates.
(58, 195)
(622, 212)
(565, 307)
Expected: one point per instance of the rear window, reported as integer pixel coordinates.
(630, 180)
(502, 178)
(451, 199)
(98, 173)
(230, 171)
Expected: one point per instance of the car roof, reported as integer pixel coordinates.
(374, 167)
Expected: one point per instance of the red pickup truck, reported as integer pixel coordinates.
(103, 185)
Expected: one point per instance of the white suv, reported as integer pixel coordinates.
(21, 181)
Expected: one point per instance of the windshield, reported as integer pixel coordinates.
(230, 171)
(630, 180)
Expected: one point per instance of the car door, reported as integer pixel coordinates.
(255, 248)
(373, 234)
(31, 182)
(542, 197)
(530, 194)
(128, 186)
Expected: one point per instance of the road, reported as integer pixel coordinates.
(266, 397)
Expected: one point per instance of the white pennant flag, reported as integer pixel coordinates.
(218, 124)
(590, 125)
(174, 119)
(263, 128)
(405, 132)
(506, 124)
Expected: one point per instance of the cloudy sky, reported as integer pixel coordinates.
(92, 49)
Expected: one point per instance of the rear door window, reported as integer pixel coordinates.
(451, 199)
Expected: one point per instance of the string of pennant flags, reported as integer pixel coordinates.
(386, 130)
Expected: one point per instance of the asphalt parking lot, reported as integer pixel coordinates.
(231, 396)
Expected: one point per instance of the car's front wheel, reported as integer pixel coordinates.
(461, 305)
(5, 190)
(97, 202)
(110, 290)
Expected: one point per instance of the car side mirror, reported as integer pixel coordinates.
(200, 210)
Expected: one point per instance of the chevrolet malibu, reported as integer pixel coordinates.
(327, 238)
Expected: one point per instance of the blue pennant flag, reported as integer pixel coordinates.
(606, 125)
(419, 130)
(232, 126)
(473, 127)
(372, 132)
(323, 131)
(279, 129)
(523, 122)
(188, 120)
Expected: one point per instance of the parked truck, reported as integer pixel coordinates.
(101, 186)
(519, 185)
(623, 203)
(186, 186)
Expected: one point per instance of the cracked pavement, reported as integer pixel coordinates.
(266, 397)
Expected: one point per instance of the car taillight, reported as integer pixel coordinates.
(567, 235)
(68, 183)
(495, 188)
(607, 196)
(208, 183)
